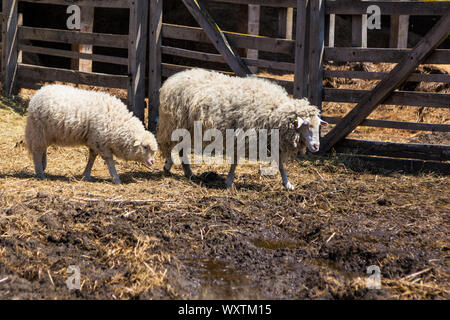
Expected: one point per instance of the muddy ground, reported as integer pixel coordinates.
(164, 237)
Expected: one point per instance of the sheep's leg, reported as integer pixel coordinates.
(230, 177)
(112, 170)
(38, 156)
(186, 165)
(286, 182)
(87, 171)
(44, 160)
(168, 165)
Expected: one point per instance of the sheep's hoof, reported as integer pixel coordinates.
(289, 186)
(88, 178)
(40, 176)
(117, 181)
(229, 185)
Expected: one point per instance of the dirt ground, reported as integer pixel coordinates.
(164, 237)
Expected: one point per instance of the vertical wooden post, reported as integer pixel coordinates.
(254, 13)
(10, 52)
(137, 49)
(155, 37)
(399, 31)
(359, 30)
(331, 32)
(86, 25)
(285, 23)
(301, 49)
(316, 48)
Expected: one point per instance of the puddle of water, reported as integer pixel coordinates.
(220, 280)
(271, 244)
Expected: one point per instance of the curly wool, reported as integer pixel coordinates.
(224, 102)
(64, 115)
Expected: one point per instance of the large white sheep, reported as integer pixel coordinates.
(223, 102)
(63, 115)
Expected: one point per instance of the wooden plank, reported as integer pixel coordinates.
(435, 127)
(405, 98)
(265, 3)
(430, 8)
(254, 15)
(73, 54)
(331, 31)
(316, 48)
(301, 50)
(285, 23)
(86, 25)
(30, 73)
(155, 67)
(137, 49)
(217, 58)
(260, 43)
(399, 150)
(439, 56)
(359, 29)
(65, 36)
(86, 3)
(398, 75)
(217, 37)
(10, 44)
(415, 77)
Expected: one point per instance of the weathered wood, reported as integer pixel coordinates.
(137, 49)
(400, 150)
(430, 8)
(86, 3)
(217, 37)
(301, 50)
(405, 98)
(217, 58)
(359, 29)
(261, 43)
(254, 14)
(435, 127)
(265, 3)
(399, 31)
(65, 36)
(418, 77)
(155, 72)
(331, 31)
(285, 23)
(397, 76)
(73, 54)
(86, 25)
(438, 56)
(29, 73)
(316, 49)
(10, 44)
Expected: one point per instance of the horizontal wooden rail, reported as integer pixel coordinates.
(30, 73)
(397, 150)
(405, 98)
(238, 40)
(74, 54)
(430, 8)
(264, 3)
(396, 124)
(439, 56)
(445, 78)
(86, 3)
(65, 36)
(214, 57)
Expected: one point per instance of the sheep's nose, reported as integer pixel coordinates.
(316, 147)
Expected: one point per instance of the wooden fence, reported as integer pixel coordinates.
(17, 39)
(307, 49)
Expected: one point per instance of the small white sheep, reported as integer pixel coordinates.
(66, 116)
(223, 102)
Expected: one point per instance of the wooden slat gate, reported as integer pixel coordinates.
(15, 73)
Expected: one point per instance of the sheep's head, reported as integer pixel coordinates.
(145, 148)
(309, 130)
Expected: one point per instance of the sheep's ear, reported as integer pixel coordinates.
(324, 123)
(137, 143)
(298, 122)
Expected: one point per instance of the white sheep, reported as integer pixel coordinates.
(223, 102)
(66, 116)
